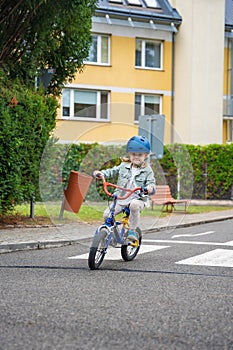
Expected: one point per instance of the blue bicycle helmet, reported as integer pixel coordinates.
(138, 144)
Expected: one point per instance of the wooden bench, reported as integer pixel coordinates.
(164, 197)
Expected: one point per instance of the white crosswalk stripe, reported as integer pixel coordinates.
(229, 244)
(193, 234)
(216, 257)
(115, 253)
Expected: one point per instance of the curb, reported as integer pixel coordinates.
(34, 245)
(188, 224)
(14, 247)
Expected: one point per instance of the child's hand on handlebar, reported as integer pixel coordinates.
(147, 190)
(144, 190)
(97, 174)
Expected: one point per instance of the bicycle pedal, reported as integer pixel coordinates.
(134, 243)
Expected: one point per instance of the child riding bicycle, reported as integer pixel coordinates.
(132, 172)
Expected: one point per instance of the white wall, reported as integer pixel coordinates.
(199, 54)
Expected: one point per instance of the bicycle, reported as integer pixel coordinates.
(113, 232)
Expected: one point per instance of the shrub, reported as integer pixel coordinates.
(27, 119)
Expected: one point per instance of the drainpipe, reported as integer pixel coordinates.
(172, 84)
(231, 99)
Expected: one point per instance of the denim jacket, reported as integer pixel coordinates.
(143, 178)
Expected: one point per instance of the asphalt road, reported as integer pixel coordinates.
(177, 294)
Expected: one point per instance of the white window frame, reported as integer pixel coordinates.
(99, 56)
(98, 106)
(142, 106)
(143, 54)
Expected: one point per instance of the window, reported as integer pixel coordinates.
(99, 49)
(66, 103)
(146, 104)
(148, 54)
(151, 3)
(134, 2)
(85, 104)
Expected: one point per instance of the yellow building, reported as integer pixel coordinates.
(147, 57)
(128, 73)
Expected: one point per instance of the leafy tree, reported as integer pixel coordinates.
(27, 119)
(34, 35)
(41, 34)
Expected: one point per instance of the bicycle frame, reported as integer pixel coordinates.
(110, 223)
(109, 233)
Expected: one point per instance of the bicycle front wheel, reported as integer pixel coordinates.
(98, 249)
(129, 252)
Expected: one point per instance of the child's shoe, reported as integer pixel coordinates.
(132, 236)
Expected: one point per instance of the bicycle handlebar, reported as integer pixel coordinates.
(109, 184)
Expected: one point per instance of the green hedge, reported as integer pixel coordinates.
(206, 171)
(58, 160)
(27, 119)
(200, 172)
(32, 165)
(56, 163)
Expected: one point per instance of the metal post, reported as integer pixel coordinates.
(178, 174)
(32, 209)
(150, 136)
(62, 209)
(205, 180)
(150, 119)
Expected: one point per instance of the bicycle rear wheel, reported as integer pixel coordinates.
(129, 252)
(98, 249)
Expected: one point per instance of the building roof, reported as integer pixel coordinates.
(229, 15)
(155, 10)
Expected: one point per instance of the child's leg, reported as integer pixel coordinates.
(118, 210)
(135, 206)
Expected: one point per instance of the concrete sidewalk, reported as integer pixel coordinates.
(23, 238)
